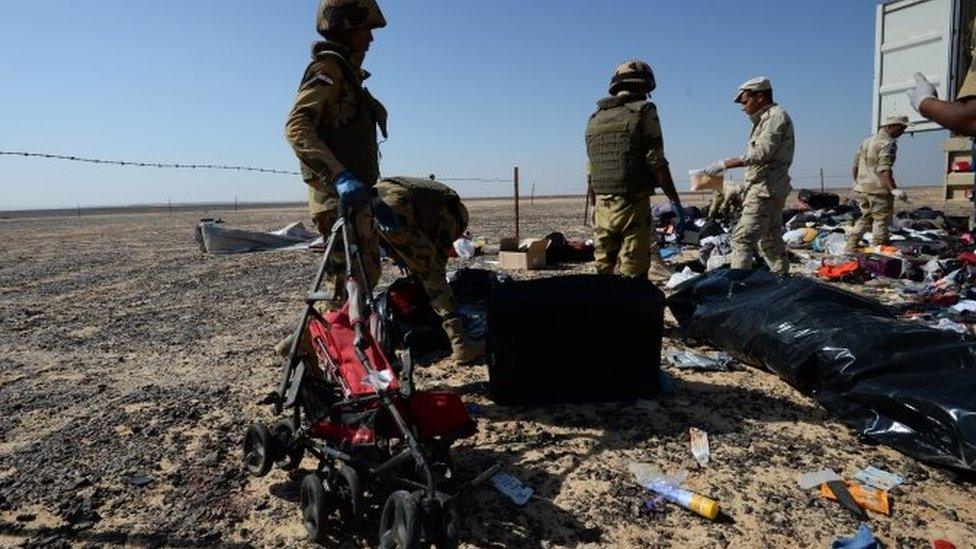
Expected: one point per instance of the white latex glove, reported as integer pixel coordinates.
(923, 90)
(715, 169)
(899, 194)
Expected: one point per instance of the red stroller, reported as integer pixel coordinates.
(362, 421)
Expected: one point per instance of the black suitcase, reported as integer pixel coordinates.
(582, 338)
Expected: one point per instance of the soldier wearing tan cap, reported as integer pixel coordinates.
(769, 155)
(874, 182)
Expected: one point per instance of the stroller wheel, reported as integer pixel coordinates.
(348, 495)
(290, 455)
(398, 524)
(315, 506)
(259, 448)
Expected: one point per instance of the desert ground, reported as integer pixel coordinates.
(131, 365)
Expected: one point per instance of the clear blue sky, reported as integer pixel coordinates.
(473, 88)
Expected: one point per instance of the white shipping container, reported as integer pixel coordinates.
(923, 36)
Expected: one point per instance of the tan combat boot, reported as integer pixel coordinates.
(659, 269)
(464, 350)
(283, 346)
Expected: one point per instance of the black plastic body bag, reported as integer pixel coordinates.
(899, 383)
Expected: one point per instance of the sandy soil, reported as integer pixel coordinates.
(131, 364)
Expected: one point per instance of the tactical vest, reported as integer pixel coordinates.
(355, 144)
(615, 149)
(431, 200)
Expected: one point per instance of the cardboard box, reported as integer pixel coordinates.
(534, 256)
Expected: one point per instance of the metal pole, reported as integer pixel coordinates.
(821, 180)
(517, 235)
(77, 205)
(532, 199)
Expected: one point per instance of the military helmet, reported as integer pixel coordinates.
(349, 14)
(632, 72)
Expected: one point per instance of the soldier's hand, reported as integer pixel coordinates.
(923, 90)
(716, 168)
(899, 194)
(353, 194)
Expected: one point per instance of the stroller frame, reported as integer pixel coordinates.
(288, 440)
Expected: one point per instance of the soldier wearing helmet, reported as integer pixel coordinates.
(625, 148)
(333, 124)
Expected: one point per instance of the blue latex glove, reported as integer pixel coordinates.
(862, 540)
(385, 217)
(352, 193)
(679, 211)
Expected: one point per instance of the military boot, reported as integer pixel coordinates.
(283, 346)
(463, 349)
(659, 269)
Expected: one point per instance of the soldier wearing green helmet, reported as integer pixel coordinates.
(333, 124)
(625, 147)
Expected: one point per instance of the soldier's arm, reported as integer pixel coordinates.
(317, 97)
(958, 116)
(857, 161)
(656, 161)
(886, 163)
(767, 142)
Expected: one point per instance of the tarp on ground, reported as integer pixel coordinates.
(898, 383)
(220, 239)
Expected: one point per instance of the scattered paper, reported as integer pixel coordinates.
(809, 480)
(878, 478)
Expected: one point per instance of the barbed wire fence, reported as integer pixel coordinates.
(204, 166)
(799, 178)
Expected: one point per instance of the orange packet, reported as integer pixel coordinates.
(870, 499)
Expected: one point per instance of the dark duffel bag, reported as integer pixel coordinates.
(582, 338)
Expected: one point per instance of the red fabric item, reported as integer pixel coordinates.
(338, 433)
(969, 258)
(942, 544)
(838, 272)
(439, 414)
(333, 343)
(409, 302)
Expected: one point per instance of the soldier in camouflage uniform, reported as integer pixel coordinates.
(874, 182)
(768, 158)
(332, 126)
(625, 147)
(420, 219)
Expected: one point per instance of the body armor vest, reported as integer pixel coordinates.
(615, 149)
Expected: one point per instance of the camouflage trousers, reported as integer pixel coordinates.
(877, 212)
(424, 255)
(624, 236)
(760, 227)
(369, 244)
